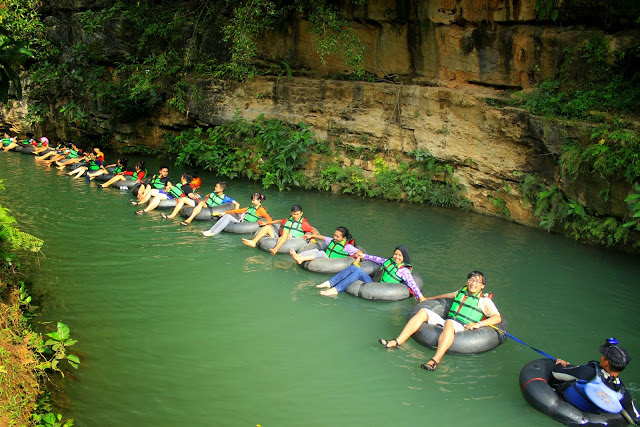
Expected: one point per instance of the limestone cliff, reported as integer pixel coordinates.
(435, 63)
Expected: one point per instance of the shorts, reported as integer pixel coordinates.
(436, 320)
(162, 194)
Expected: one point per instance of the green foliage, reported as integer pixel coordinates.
(546, 8)
(633, 200)
(55, 349)
(334, 36)
(591, 77)
(269, 150)
(21, 19)
(558, 213)
(500, 204)
(413, 182)
(51, 420)
(13, 54)
(12, 239)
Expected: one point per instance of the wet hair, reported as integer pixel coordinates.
(140, 164)
(476, 273)
(258, 196)
(163, 167)
(29, 135)
(346, 235)
(123, 161)
(222, 184)
(296, 208)
(187, 176)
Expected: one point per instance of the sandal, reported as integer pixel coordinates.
(385, 343)
(185, 223)
(428, 366)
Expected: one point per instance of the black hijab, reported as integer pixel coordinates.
(405, 254)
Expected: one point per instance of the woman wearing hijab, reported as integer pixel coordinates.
(396, 269)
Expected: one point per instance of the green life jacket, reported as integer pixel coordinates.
(176, 191)
(156, 182)
(118, 169)
(390, 271)
(73, 154)
(465, 307)
(134, 177)
(336, 249)
(294, 227)
(215, 200)
(5, 141)
(26, 141)
(250, 214)
(93, 165)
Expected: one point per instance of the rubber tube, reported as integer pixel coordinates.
(466, 342)
(534, 385)
(205, 213)
(378, 291)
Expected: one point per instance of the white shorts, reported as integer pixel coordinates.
(435, 319)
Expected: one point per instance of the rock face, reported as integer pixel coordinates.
(438, 60)
(490, 149)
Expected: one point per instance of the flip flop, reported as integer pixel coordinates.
(385, 343)
(430, 367)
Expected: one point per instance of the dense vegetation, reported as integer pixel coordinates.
(599, 87)
(128, 60)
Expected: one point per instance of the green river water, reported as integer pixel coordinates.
(178, 330)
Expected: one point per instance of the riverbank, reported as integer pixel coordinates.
(21, 383)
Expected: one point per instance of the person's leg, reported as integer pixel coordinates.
(267, 230)
(195, 212)
(220, 225)
(181, 202)
(356, 274)
(154, 202)
(116, 178)
(307, 255)
(444, 342)
(80, 171)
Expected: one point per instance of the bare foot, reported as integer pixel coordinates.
(207, 233)
(295, 256)
(249, 242)
(273, 251)
(325, 284)
(331, 292)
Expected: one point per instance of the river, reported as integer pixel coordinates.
(175, 329)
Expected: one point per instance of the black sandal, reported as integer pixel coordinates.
(385, 343)
(430, 367)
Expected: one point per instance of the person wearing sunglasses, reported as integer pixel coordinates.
(596, 386)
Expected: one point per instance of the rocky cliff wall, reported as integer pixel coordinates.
(445, 56)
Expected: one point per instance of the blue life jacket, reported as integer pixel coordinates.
(593, 395)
